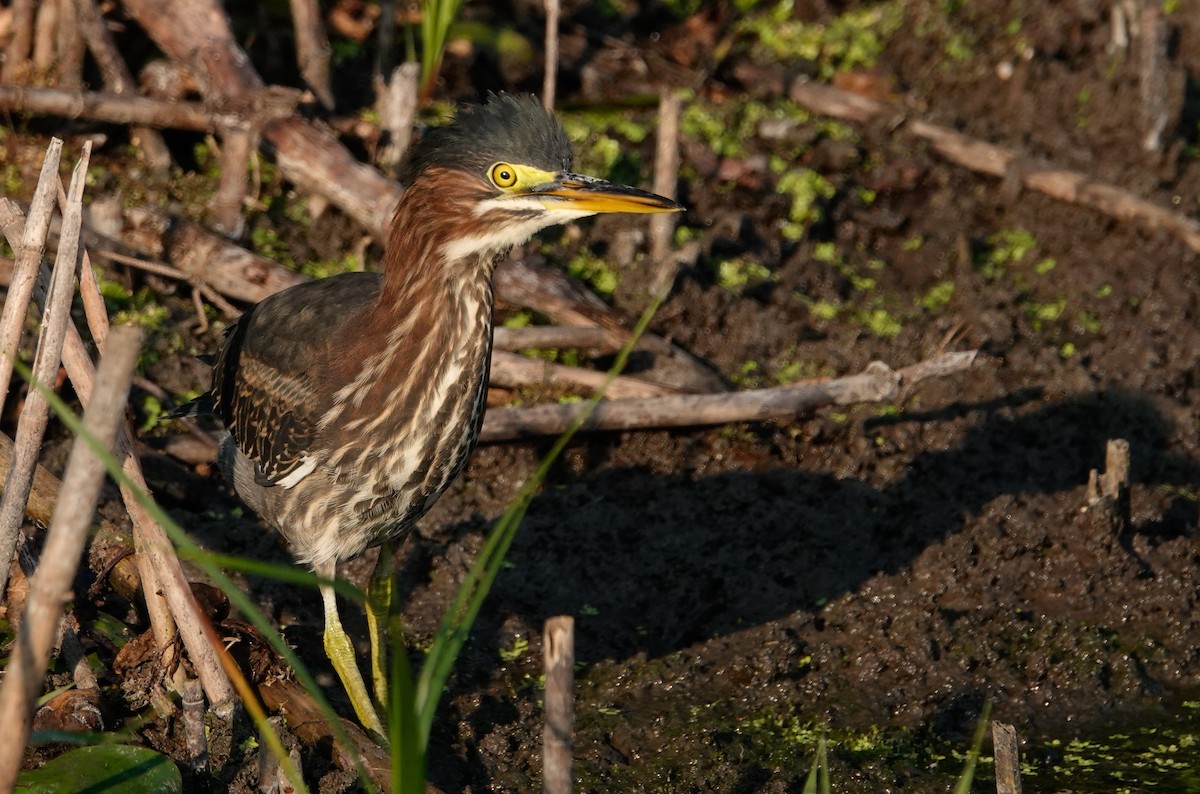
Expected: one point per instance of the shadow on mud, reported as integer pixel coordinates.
(653, 564)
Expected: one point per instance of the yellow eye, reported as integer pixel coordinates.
(503, 175)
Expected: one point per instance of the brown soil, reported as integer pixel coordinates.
(879, 571)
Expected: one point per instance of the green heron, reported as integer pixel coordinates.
(353, 401)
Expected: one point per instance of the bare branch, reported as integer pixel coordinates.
(877, 383)
(113, 108)
(16, 57)
(312, 49)
(396, 101)
(118, 79)
(511, 371)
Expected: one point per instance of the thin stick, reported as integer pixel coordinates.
(1152, 74)
(312, 49)
(1006, 752)
(16, 56)
(89, 289)
(877, 383)
(397, 101)
(113, 108)
(29, 260)
(43, 36)
(160, 269)
(543, 337)
(237, 145)
(70, 47)
(35, 414)
(666, 175)
(1048, 178)
(512, 371)
(118, 79)
(558, 732)
(549, 84)
(50, 586)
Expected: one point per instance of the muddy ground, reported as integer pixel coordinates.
(876, 573)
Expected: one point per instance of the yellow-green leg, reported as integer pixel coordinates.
(379, 604)
(340, 651)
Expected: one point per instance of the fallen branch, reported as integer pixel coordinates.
(557, 337)
(312, 49)
(1048, 178)
(306, 721)
(511, 371)
(113, 108)
(876, 384)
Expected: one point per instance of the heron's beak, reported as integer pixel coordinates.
(587, 194)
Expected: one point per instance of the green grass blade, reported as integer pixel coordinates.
(408, 754)
(818, 776)
(968, 774)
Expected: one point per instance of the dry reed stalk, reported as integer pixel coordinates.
(35, 414)
(558, 732)
(50, 586)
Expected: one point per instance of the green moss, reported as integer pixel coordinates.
(266, 242)
(880, 322)
(324, 268)
(520, 645)
(726, 128)
(853, 40)
(807, 191)
(737, 274)
(1005, 247)
(938, 297)
(594, 271)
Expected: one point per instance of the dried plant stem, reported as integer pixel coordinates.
(89, 289)
(118, 79)
(556, 336)
(113, 108)
(666, 174)
(510, 370)
(1006, 752)
(878, 382)
(16, 56)
(312, 49)
(550, 81)
(29, 260)
(558, 732)
(35, 414)
(396, 100)
(238, 142)
(49, 588)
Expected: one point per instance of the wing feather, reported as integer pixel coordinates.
(268, 374)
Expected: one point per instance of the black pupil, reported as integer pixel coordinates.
(505, 176)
